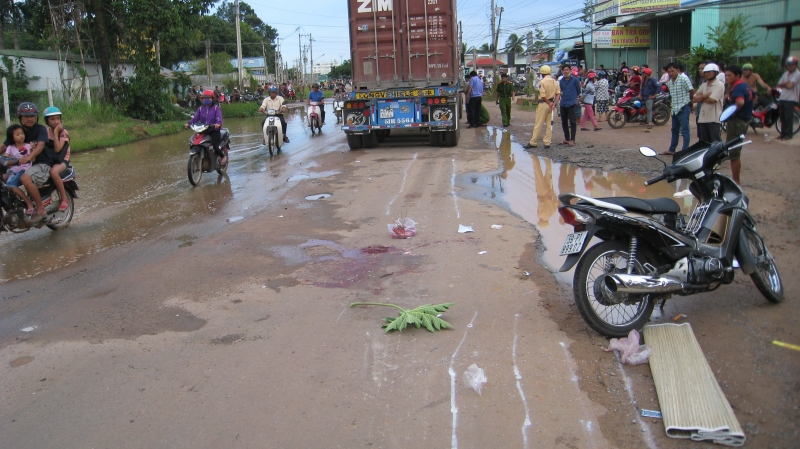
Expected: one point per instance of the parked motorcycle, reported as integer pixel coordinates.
(765, 117)
(291, 95)
(313, 112)
(202, 158)
(12, 208)
(649, 251)
(630, 109)
(338, 106)
(273, 131)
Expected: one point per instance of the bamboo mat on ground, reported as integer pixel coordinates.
(692, 402)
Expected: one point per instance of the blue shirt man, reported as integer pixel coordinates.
(317, 96)
(570, 89)
(476, 87)
(570, 86)
(474, 93)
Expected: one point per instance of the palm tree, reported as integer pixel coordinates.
(515, 44)
(485, 48)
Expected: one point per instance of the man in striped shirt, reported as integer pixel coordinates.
(681, 92)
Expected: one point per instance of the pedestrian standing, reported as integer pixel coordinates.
(549, 95)
(790, 83)
(505, 90)
(587, 98)
(475, 93)
(466, 99)
(710, 95)
(680, 89)
(601, 96)
(570, 87)
(650, 88)
(742, 96)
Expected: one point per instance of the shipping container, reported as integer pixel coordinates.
(406, 74)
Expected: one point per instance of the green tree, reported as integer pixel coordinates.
(588, 11)
(726, 41)
(345, 69)
(515, 44)
(220, 63)
(539, 44)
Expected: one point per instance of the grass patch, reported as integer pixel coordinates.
(249, 109)
(102, 126)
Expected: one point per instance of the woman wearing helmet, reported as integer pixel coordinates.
(587, 98)
(316, 95)
(790, 83)
(274, 101)
(635, 82)
(57, 147)
(210, 114)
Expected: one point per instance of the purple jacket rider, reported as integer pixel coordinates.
(209, 115)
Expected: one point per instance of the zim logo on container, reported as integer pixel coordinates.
(380, 5)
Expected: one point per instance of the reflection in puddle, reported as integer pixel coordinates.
(530, 185)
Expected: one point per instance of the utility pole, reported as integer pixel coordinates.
(311, 50)
(300, 60)
(495, 38)
(266, 71)
(239, 41)
(208, 61)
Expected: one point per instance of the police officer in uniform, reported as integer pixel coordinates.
(549, 95)
(503, 93)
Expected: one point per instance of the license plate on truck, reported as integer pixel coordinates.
(574, 243)
(387, 113)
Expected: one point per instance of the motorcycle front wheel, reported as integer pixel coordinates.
(271, 142)
(62, 218)
(618, 316)
(222, 168)
(766, 276)
(617, 119)
(195, 169)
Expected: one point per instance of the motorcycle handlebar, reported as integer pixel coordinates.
(654, 180)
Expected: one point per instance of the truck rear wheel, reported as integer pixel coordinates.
(382, 135)
(354, 141)
(370, 139)
(451, 138)
(435, 139)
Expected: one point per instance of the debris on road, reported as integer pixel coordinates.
(234, 219)
(403, 228)
(678, 317)
(464, 229)
(475, 377)
(631, 352)
(776, 343)
(483, 252)
(497, 226)
(651, 414)
(426, 315)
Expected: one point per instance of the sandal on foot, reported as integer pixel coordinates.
(572, 144)
(584, 129)
(564, 142)
(63, 206)
(598, 129)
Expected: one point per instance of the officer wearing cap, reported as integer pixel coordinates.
(549, 95)
(505, 90)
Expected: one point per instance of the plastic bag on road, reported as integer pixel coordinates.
(631, 353)
(403, 228)
(475, 378)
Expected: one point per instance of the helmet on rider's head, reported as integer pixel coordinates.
(648, 72)
(208, 93)
(713, 68)
(635, 68)
(625, 70)
(575, 71)
(602, 73)
(591, 75)
(747, 66)
(272, 89)
(545, 70)
(791, 60)
(315, 85)
(51, 111)
(27, 109)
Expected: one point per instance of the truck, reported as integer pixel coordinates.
(405, 71)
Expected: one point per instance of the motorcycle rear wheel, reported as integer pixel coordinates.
(661, 114)
(195, 169)
(222, 168)
(614, 320)
(795, 122)
(766, 276)
(66, 215)
(617, 119)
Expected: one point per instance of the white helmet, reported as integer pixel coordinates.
(711, 68)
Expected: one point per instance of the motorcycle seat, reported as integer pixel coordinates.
(653, 206)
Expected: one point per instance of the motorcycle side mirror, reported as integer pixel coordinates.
(727, 113)
(647, 151)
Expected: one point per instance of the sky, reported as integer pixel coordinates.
(326, 21)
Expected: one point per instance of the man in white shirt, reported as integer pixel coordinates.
(790, 85)
(710, 94)
(275, 101)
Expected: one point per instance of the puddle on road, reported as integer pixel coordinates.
(318, 196)
(529, 186)
(304, 176)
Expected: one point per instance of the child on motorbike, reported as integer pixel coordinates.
(17, 150)
(60, 141)
(210, 114)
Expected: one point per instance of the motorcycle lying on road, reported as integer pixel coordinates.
(766, 116)
(630, 109)
(202, 158)
(272, 131)
(648, 251)
(12, 208)
(313, 113)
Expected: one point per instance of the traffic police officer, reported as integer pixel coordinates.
(549, 94)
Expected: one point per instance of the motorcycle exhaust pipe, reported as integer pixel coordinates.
(635, 283)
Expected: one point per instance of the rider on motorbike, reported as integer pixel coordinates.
(275, 101)
(211, 115)
(36, 136)
(317, 96)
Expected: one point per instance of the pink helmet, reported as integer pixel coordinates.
(574, 71)
(591, 75)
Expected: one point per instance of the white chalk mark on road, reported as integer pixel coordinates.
(402, 186)
(453, 190)
(527, 422)
(648, 435)
(453, 408)
(587, 424)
